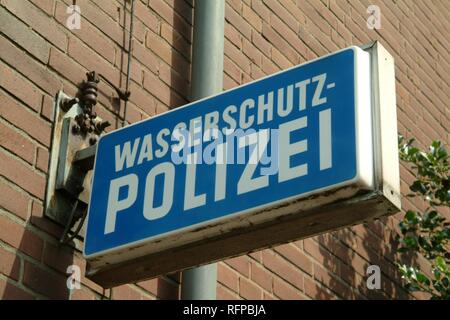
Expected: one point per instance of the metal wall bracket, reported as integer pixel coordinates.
(72, 158)
(75, 133)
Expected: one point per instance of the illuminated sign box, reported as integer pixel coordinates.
(288, 156)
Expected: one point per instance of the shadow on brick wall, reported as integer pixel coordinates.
(356, 248)
(182, 36)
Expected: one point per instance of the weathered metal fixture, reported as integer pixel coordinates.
(77, 129)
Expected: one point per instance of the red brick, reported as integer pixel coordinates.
(321, 255)
(280, 44)
(157, 88)
(171, 17)
(261, 276)
(315, 291)
(23, 175)
(315, 46)
(282, 268)
(334, 246)
(332, 282)
(257, 255)
(237, 57)
(183, 8)
(261, 43)
(283, 14)
(13, 141)
(225, 294)
(325, 13)
(88, 33)
(14, 201)
(93, 286)
(24, 119)
(280, 60)
(249, 290)
(133, 113)
(261, 9)
(29, 67)
(146, 57)
(176, 40)
(20, 238)
(292, 9)
(13, 28)
(125, 292)
(228, 82)
(47, 110)
(143, 100)
(240, 264)
(250, 51)
(104, 23)
(174, 80)
(9, 264)
(10, 291)
(285, 291)
(269, 67)
(82, 294)
(236, 5)
(237, 21)
(149, 285)
(167, 290)
(91, 61)
(20, 87)
(149, 19)
(233, 35)
(294, 255)
(47, 283)
(58, 257)
(38, 21)
(168, 55)
(227, 277)
(113, 9)
(65, 66)
(316, 18)
(268, 296)
(45, 5)
(42, 159)
(43, 223)
(252, 17)
(232, 69)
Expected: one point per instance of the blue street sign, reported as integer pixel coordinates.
(280, 138)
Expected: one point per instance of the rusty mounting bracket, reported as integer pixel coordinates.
(75, 133)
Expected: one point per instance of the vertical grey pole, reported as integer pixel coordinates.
(207, 79)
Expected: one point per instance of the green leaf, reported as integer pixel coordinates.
(410, 216)
(445, 282)
(437, 274)
(440, 263)
(410, 241)
(421, 278)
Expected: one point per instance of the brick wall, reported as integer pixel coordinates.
(39, 55)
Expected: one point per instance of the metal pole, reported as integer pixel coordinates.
(207, 79)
